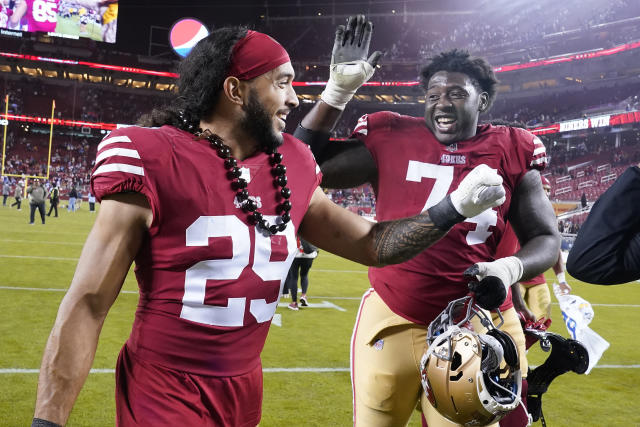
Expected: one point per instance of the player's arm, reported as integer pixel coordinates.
(346, 234)
(110, 248)
(18, 13)
(346, 164)
(558, 269)
(607, 248)
(534, 222)
(519, 304)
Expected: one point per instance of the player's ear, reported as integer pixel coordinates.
(484, 102)
(234, 90)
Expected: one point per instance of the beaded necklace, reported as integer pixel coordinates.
(239, 184)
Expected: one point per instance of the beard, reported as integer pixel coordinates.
(259, 125)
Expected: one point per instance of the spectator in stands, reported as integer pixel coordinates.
(38, 196)
(54, 197)
(73, 196)
(583, 200)
(6, 190)
(17, 194)
(607, 248)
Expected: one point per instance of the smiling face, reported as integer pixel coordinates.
(453, 104)
(271, 98)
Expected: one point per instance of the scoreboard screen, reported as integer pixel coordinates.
(94, 19)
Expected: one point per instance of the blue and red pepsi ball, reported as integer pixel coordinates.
(185, 34)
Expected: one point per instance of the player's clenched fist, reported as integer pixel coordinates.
(480, 190)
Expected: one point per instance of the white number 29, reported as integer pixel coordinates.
(443, 176)
(198, 234)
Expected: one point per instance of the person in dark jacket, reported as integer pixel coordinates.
(607, 248)
(54, 197)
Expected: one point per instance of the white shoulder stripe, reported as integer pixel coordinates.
(125, 152)
(119, 167)
(539, 150)
(539, 161)
(113, 140)
(317, 169)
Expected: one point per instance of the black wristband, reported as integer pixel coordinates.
(318, 140)
(444, 215)
(39, 422)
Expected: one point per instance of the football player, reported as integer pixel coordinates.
(108, 10)
(411, 163)
(41, 15)
(207, 201)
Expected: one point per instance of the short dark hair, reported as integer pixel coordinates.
(202, 74)
(460, 61)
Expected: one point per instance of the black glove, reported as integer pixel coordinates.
(350, 67)
(489, 293)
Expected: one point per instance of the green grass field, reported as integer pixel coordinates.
(72, 26)
(37, 263)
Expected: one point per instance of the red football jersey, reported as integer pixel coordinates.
(209, 281)
(415, 172)
(42, 15)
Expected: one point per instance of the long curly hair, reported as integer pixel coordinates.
(460, 61)
(202, 74)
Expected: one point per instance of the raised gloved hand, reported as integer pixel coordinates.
(480, 190)
(491, 280)
(350, 67)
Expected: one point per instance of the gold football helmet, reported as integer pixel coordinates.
(471, 379)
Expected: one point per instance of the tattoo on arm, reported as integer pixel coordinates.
(400, 240)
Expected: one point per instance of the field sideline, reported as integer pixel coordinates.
(306, 359)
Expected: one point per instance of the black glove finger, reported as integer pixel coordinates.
(366, 37)
(374, 58)
(489, 292)
(472, 271)
(339, 41)
(350, 31)
(359, 30)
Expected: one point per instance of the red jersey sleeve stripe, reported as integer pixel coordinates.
(361, 127)
(539, 161)
(119, 167)
(113, 140)
(539, 150)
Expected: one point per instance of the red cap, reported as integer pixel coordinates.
(256, 54)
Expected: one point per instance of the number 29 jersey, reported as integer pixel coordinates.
(209, 281)
(415, 172)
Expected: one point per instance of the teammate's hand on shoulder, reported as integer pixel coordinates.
(491, 280)
(350, 68)
(480, 190)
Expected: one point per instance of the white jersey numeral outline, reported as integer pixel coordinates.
(44, 11)
(443, 176)
(232, 315)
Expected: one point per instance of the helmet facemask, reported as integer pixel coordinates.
(471, 379)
